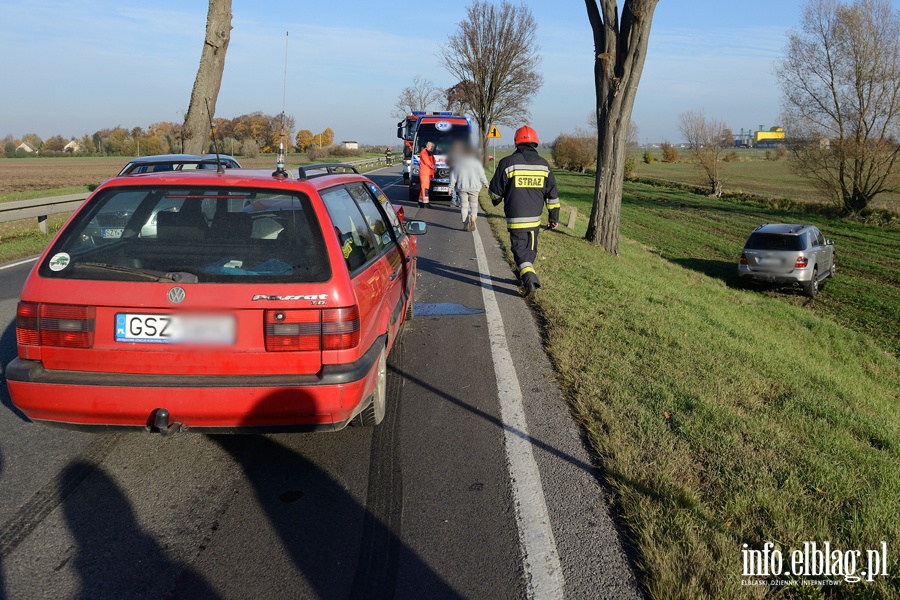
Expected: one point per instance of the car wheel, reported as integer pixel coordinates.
(812, 288)
(373, 414)
(411, 310)
(413, 194)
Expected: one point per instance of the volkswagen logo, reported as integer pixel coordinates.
(176, 295)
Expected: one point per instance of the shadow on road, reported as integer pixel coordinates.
(114, 558)
(311, 522)
(466, 276)
(492, 419)
(7, 353)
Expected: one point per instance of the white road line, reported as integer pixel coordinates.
(543, 570)
(21, 262)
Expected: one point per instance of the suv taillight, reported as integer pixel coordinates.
(58, 325)
(743, 258)
(801, 262)
(312, 330)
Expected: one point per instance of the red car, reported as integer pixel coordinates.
(217, 302)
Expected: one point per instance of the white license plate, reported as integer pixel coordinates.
(769, 261)
(441, 189)
(175, 329)
(109, 233)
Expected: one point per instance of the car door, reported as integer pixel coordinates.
(364, 261)
(827, 253)
(404, 241)
(391, 257)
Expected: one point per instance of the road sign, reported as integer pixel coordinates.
(494, 133)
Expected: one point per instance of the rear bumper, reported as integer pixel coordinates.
(795, 277)
(206, 403)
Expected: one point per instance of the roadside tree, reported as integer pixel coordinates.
(620, 47)
(495, 49)
(195, 131)
(421, 95)
(304, 140)
(707, 138)
(840, 81)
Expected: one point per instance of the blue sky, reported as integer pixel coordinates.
(74, 67)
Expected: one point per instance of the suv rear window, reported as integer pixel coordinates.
(219, 235)
(774, 241)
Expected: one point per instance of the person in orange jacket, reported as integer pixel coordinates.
(426, 172)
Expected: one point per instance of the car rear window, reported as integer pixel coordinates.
(774, 241)
(218, 235)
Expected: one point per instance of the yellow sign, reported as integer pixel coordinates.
(494, 133)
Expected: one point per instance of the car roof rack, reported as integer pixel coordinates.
(327, 168)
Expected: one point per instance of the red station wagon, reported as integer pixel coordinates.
(217, 302)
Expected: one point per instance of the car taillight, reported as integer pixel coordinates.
(311, 330)
(801, 263)
(293, 330)
(55, 325)
(743, 258)
(340, 328)
(27, 332)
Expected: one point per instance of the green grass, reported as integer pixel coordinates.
(752, 175)
(22, 238)
(13, 196)
(723, 416)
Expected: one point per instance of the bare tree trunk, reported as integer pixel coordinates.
(620, 49)
(195, 131)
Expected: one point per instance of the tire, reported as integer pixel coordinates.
(373, 414)
(413, 194)
(811, 289)
(411, 310)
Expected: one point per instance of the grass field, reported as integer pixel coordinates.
(24, 178)
(723, 416)
(752, 175)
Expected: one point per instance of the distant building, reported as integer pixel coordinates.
(771, 137)
(72, 147)
(350, 145)
(26, 147)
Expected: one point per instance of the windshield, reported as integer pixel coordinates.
(443, 140)
(774, 241)
(218, 235)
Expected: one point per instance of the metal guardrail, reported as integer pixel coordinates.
(41, 208)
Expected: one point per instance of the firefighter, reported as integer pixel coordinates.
(525, 183)
(426, 172)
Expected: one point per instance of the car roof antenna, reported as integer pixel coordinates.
(219, 168)
(280, 173)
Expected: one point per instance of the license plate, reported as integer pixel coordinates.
(175, 329)
(769, 261)
(111, 233)
(441, 189)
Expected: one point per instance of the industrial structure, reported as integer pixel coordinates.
(761, 138)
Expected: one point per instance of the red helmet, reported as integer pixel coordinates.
(526, 135)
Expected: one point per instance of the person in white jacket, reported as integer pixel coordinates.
(466, 179)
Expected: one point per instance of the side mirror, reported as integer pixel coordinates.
(399, 131)
(829, 242)
(416, 227)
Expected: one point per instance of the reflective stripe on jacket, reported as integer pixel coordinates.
(525, 184)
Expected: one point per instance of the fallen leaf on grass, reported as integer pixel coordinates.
(667, 415)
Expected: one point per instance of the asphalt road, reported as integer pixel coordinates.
(469, 489)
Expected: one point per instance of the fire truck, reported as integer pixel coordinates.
(406, 131)
(443, 129)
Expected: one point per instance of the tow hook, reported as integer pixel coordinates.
(161, 423)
